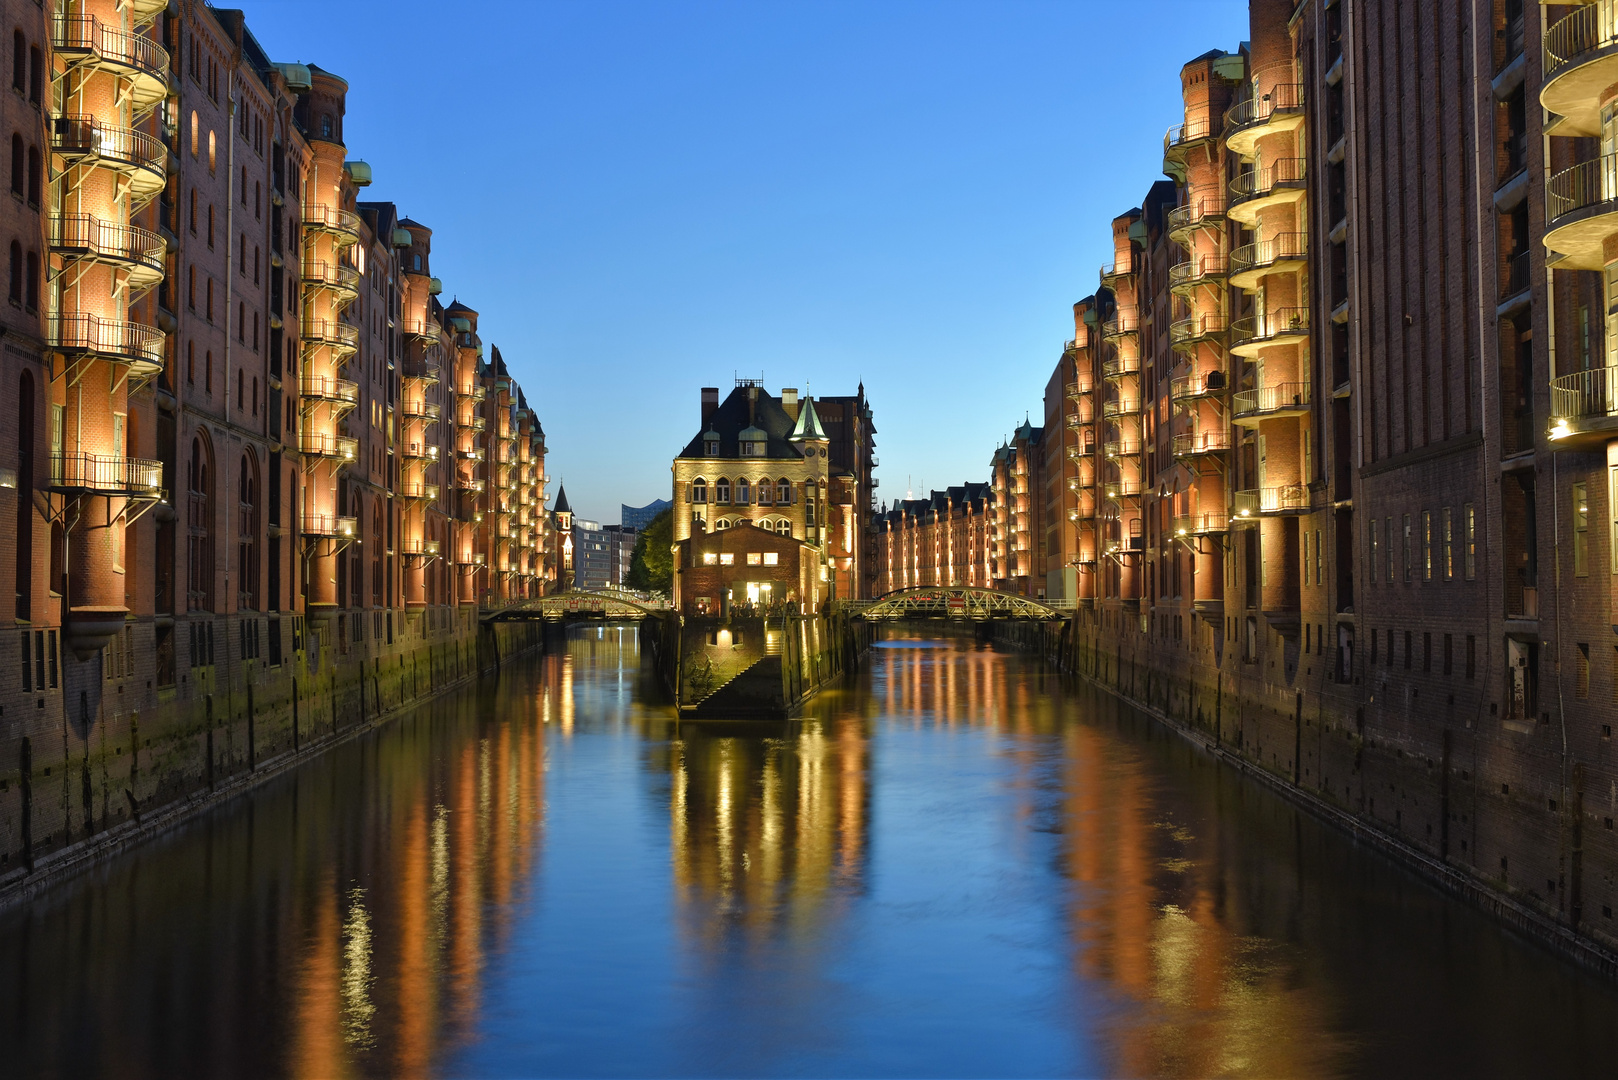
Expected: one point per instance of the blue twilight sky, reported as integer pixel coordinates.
(641, 199)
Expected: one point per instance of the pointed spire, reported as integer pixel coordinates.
(561, 500)
(808, 425)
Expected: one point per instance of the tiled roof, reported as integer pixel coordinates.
(731, 417)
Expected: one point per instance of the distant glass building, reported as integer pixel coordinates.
(638, 517)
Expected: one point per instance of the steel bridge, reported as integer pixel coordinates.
(578, 604)
(965, 603)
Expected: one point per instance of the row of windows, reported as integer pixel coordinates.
(780, 492)
(27, 67)
(782, 526)
(1388, 647)
(728, 558)
(1448, 546)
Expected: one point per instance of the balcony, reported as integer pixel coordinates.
(1116, 367)
(343, 281)
(475, 422)
(1581, 211)
(1121, 406)
(420, 549)
(1191, 387)
(1073, 345)
(417, 490)
(1259, 502)
(1251, 119)
(84, 39)
(1194, 444)
(422, 329)
(1080, 386)
(141, 158)
(1123, 489)
(476, 392)
(1208, 523)
(1079, 421)
(137, 251)
(1283, 326)
(1186, 334)
(477, 558)
(140, 347)
(1264, 187)
(1282, 252)
(1581, 60)
(1250, 407)
(327, 389)
(1584, 409)
(421, 410)
(1182, 221)
(342, 224)
(474, 453)
(1083, 452)
(107, 474)
(1121, 448)
(1082, 482)
(330, 525)
(1196, 272)
(328, 333)
(1121, 325)
(420, 370)
(1114, 274)
(327, 445)
(418, 451)
(1181, 138)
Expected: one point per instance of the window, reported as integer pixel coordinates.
(710, 558)
(755, 558)
(35, 180)
(1376, 529)
(210, 226)
(31, 298)
(417, 263)
(1427, 545)
(1471, 541)
(1449, 544)
(772, 558)
(710, 447)
(727, 559)
(784, 527)
(19, 62)
(18, 166)
(722, 492)
(744, 492)
(208, 291)
(766, 491)
(1409, 566)
(783, 492)
(1389, 560)
(1581, 685)
(191, 362)
(194, 133)
(212, 160)
(1581, 530)
(699, 490)
(207, 371)
(36, 74)
(16, 273)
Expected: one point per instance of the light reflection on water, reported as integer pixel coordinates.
(960, 864)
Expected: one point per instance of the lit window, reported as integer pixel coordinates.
(755, 558)
(722, 523)
(1471, 541)
(771, 558)
(727, 559)
(744, 492)
(699, 490)
(722, 491)
(709, 558)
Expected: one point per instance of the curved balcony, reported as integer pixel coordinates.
(476, 392)
(477, 558)
(1116, 367)
(1121, 325)
(1253, 118)
(1193, 444)
(1283, 326)
(1080, 386)
(83, 140)
(329, 333)
(1265, 186)
(475, 422)
(1123, 489)
(1207, 523)
(1082, 452)
(1249, 407)
(472, 453)
(1580, 61)
(324, 388)
(420, 549)
(1180, 139)
(1581, 211)
(418, 490)
(1121, 448)
(419, 451)
(107, 474)
(332, 220)
(1116, 273)
(1186, 388)
(138, 251)
(1196, 272)
(420, 370)
(1181, 221)
(421, 410)
(323, 444)
(1584, 409)
(1120, 406)
(472, 485)
(1259, 502)
(1250, 263)
(86, 40)
(1082, 482)
(335, 526)
(1073, 345)
(422, 329)
(344, 281)
(1185, 334)
(140, 347)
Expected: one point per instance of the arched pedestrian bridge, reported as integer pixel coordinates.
(965, 603)
(580, 604)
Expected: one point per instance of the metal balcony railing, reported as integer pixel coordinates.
(1264, 180)
(121, 342)
(1195, 443)
(1115, 366)
(1200, 524)
(1278, 323)
(325, 444)
(1195, 271)
(1586, 186)
(131, 54)
(1084, 384)
(1267, 399)
(1113, 272)
(1284, 247)
(108, 473)
(1194, 130)
(1186, 387)
(1206, 211)
(1120, 325)
(421, 548)
(1122, 406)
(334, 276)
(1253, 111)
(422, 410)
(419, 451)
(1515, 279)
(1116, 448)
(1585, 395)
(1079, 420)
(326, 388)
(422, 328)
(1591, 29)
(417, 489)
(420, 369)
(78, 138)
(338, 335)
(84, 236)
(1289, 498)
(331, 219)
(329, 525)
(1196, 328)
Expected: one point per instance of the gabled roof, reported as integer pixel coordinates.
(808, 425)
(732, 416)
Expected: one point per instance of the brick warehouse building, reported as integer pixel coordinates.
(940, 540)
(249, 453)
(1337, 433)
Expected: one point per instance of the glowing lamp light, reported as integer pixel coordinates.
(1561, 430)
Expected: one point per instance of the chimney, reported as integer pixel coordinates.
(710, 405)
(789, 401)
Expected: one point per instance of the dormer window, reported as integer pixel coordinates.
(711, 448)
(747, 449)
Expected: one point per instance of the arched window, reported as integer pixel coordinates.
(721, 493)
(199, 520)
(766, 492)
(784, 527)
(25, 496)
(744, 492)
(19, 166)
(19, 62)
(722, 523)
(247, 534)
(783, 492)
(31, 299)
(34, 180)
(16, 272)
(417, 262)
(699, 490)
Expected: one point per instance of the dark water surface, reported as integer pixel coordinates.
(960, 865)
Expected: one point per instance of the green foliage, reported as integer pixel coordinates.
(651, 564)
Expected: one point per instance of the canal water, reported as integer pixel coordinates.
(961, 864)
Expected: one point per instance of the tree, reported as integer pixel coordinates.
(651, 564)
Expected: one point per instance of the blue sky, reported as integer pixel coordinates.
(643, 199)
